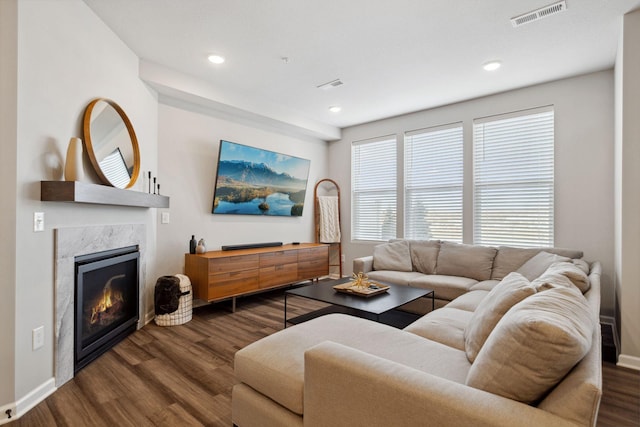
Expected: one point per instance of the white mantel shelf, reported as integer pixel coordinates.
(82, 192)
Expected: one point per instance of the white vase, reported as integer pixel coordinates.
(202, 247)
(73, 167)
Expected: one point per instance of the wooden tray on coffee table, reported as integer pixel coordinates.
(361, 291)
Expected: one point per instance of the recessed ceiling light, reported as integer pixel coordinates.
(492, 65)
(335, 109)
(216, 59)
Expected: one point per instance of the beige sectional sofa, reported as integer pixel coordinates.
(517, 350)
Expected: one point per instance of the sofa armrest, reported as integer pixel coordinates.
(347, 387)
(363, 264)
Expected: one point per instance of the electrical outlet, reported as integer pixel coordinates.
(38, 221)
(37, 337)
(165, 218)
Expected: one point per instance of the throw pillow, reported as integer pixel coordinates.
(510, 291)
(537, 265)
(551, 280)
(582, 264)
(473, 261)
(535, 345)
(392, 256)
(569, 270)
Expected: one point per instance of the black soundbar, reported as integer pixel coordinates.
(251, 246)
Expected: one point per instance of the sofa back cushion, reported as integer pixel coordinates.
(539, 263)
(456, 259)
(509, 259)
(424, 255)
(392, 256)
(534, 345)
(510, 291)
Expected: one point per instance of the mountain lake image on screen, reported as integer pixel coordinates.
(254, 181)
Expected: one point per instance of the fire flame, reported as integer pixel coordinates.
(109, 298)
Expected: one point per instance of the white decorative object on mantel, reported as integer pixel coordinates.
(73, 167)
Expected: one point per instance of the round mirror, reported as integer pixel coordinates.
(111, 143)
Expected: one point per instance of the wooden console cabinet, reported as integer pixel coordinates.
(218, 275)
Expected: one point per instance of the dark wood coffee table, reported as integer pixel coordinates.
(381, 308)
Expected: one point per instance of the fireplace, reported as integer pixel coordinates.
(106, 301)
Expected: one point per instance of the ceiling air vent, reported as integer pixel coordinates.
(538, 14)
(330, 85)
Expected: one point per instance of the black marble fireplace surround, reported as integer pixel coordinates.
(107, 300)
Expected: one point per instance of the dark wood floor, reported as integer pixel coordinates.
(183, 375)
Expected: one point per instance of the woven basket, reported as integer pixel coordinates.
(185, 307)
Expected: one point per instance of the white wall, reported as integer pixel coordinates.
(627, 248)
(188, 154)
(8, 98)
(583, 161)
(66, 57)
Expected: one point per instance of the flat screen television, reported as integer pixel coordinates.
(253, 181)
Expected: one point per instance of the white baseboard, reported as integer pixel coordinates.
(25, 404)
(4, 417)
(631, 362)
(148, 317)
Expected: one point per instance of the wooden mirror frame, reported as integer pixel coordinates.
(86, 126)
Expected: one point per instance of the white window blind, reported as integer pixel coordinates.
(373, 188)
(513, 179)
(433, 183)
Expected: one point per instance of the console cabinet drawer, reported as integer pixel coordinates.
(315, 268)
(235, 283)
(278, 258)
(236, 263)
(314, 254)
(278, 274)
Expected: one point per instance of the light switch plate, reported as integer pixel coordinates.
(37, 336)
(38, 221)
(165, 218)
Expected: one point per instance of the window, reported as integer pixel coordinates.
(513, 179)
(373, 188)
(433, 183)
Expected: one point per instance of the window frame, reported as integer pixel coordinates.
(494, 196)
(360, 231)
(428, 176)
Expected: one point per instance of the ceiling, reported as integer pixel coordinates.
(393, 57)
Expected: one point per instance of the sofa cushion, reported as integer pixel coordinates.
(444, 287)
(469, 301)
(571, 272)
(538, 264)
(534, 345)
(274, 365)
(510, 291)
(555, 277)
(581, 264)
(445, 325)
(485, 285)
(392, 256)
(394, 277)
(424, 255)
(550, 280)
(456, 259)
(509, 259)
